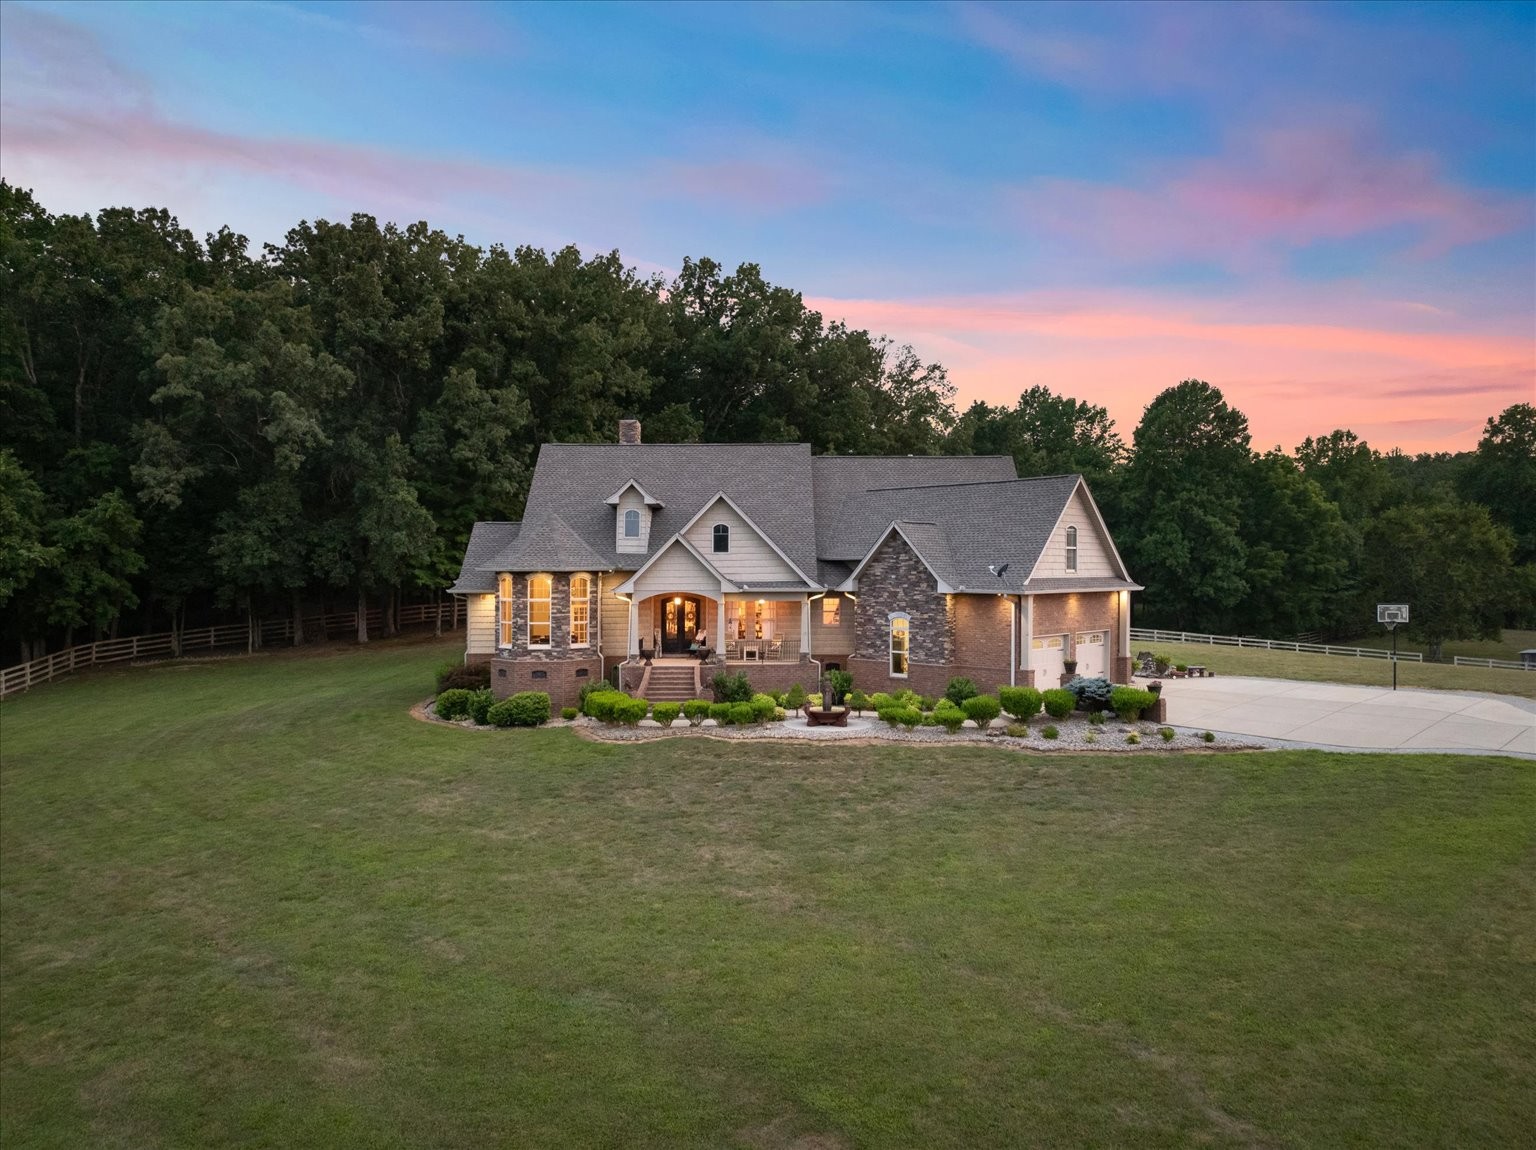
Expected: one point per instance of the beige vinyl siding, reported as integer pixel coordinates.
(631, 501)
(833, 640)
(1093, 554)
(676, 570)
(613, 614)
(750, 559)
(480, 624)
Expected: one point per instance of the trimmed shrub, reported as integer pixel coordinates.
(1091, 737)
(959, 690)
(731, 688)
(1208, 737)
(480, 704)
(813, 699)
(1097, 718)
(858, 700)
(1167, 733)
(463, 677)
(665, 712)
(1020, 702)
(982, 708)
(779, 715)
(890, 714)
(924, 703)
(720, 712)
(1130, 702)
(568, 713)
(1092, 694)
(880, 701)
(1019, 730)
(762, 707)
(1049, 732)
(600, 704)
(696, 709)
(930, 720)
(528, 709)
(453, 703)
(949, 715)
(742, 714)
(1181, 667)
(629, 711)
(794, 698)
(910, 698)
(1059, 702)
(841, 683)
(910, 717)
(1133, 737)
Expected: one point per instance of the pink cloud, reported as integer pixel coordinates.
(1282, 189)
(1293, 377)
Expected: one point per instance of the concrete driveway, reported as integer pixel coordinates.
(1355, 718)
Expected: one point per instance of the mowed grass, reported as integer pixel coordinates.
(1508, 645)
(1346, 669)
(254, 903)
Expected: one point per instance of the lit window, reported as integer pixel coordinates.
(504, 610)
(538, 610)
(831, 611)
(1071, 548)
(631, 525)
(722, 538)
(901, 638)
(581, 610)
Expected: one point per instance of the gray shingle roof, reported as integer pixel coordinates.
(549, 543)
(487, 539)
(1095, 583)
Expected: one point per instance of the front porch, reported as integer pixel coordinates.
(738, 630)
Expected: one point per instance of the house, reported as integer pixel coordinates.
(905, 571)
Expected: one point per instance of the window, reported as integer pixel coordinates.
(831, 611)
(631, 525)
(504, 610)
(901, 639)
(581, 610)
(722, 538)
(538, 610)
(1071, 548)
(748, 620)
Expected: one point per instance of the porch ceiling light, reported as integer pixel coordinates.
(677, 600)
(760, 602)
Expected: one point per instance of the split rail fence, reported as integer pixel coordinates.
(1144, 635)
(172, 644)
(1507, 664)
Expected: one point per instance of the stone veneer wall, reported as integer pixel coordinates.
(895, 579)
(560, 670)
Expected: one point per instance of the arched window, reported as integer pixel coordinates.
(722, 538)
(901, 644)
(1071, 548)
(581, 610)
(504, 610)
(538, 610)
(631, 524)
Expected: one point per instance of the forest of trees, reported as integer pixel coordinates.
(188, 428)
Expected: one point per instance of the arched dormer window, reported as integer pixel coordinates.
(722, 537)
(631, 524)
(1071, 548)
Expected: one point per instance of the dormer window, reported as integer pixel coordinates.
(631, 524)
(722, 536)
(1071, 548)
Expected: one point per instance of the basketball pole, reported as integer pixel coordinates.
(1394, 656)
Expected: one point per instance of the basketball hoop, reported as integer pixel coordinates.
(1391, 615)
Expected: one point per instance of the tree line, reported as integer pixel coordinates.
(188, 426)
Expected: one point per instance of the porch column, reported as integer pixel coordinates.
(805, 627)
(634, 625)
(1123, 638)
(719, 633)
(1027, 630)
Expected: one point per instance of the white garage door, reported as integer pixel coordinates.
(1045, 660)
(1092, 654)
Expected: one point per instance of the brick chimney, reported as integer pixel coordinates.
(629, 431)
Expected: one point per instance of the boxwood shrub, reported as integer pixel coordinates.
(720, 712)
(480, 704)
(1130, 702)
(600, 704)
(959, 690)
(1059, 702)
(743, 714)
(664, 713)
(453, 703)
(568, 713)
(629, 711)
(948, 715)
(524, 709)
(1021, 702)
(880, 701)
(763, 707)
(982, 708)
(696, 709)
(1049, 731)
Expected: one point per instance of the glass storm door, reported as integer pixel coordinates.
(679, 624)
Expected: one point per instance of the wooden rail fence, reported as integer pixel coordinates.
(1507, 664)
(170, 644)
(1145, 635)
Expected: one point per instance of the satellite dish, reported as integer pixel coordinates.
(996, 570)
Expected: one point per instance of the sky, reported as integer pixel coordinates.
(1329, 212)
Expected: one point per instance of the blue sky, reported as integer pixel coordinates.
(1325, 210)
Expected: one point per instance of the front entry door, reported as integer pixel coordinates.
(680, 616)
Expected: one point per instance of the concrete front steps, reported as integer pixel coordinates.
(669, 683)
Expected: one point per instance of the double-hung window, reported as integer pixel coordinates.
(538, 610)
(722, 538)
(901, 642)
(581, 610)
(504, 610)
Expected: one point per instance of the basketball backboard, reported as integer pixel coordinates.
(1391, 613)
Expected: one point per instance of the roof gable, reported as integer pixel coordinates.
(487, 539)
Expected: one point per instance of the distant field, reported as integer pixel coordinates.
(253, 903)
(1507, 646)
(1346, 669)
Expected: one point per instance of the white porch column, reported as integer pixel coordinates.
(1124, 636)
(634, 625)
(805, 624)
(1027, 631)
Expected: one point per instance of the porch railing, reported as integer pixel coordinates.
(786, 650)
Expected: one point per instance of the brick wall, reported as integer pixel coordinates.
(1084, 611)
(560, 679)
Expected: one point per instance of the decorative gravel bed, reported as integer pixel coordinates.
(1074, 734)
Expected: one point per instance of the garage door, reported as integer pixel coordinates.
(1045, 660)
(1092, 654)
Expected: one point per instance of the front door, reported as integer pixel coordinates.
(680, 615)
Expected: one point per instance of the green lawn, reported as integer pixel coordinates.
(253, 903)
(1508, 645)
(1345, 669)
